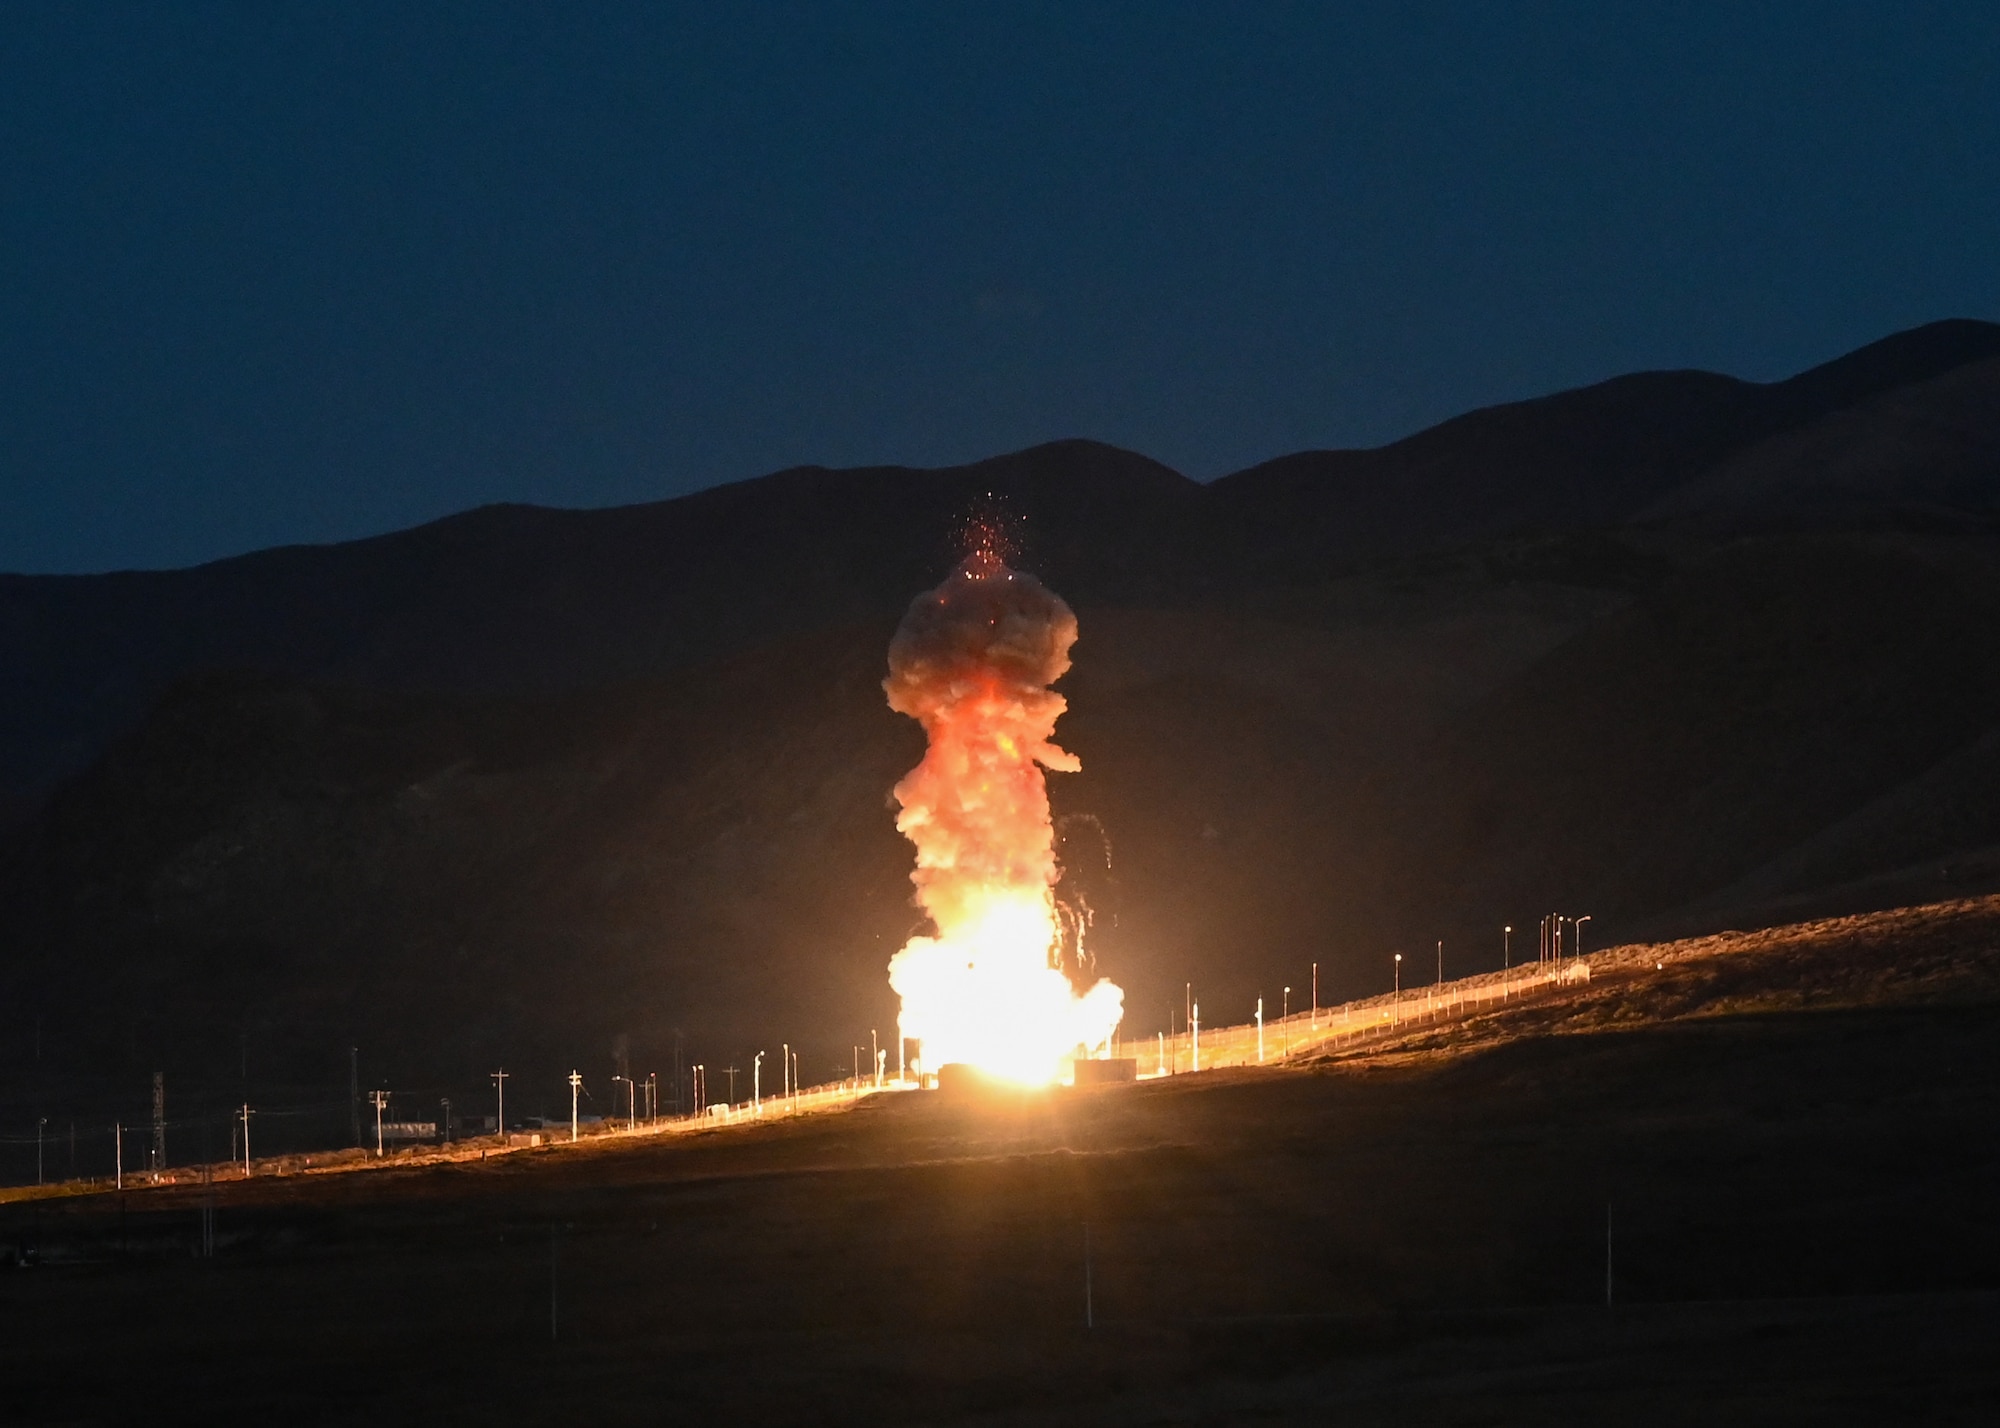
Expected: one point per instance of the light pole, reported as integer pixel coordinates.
(1285, 1020)
(1440, 977)
(380, 1099)
(1577, 923)
(785, 1069)
(875, 1055)
(1398, 1000)
(246, 1113)
(757, 1085)
(575, 1087)
(1260, 1031)
(1194, 1026)
(1506, 947)
(1315, 1018)
(40, 1125)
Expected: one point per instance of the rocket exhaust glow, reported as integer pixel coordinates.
(972, 662)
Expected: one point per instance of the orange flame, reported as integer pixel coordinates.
(972, 662)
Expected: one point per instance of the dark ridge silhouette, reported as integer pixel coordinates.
(520, 599)
(1595, 456)
(1670, 650)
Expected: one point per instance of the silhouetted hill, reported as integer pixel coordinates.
(1668, 650)
(519, 599)
(524, 599)
(1928, 453)
(1597, 456)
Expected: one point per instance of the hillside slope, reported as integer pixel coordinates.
(524, 785)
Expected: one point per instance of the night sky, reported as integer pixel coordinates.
(285, 273)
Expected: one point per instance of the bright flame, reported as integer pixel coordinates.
(972, 661)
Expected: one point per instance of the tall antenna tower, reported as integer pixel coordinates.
(159, 1120)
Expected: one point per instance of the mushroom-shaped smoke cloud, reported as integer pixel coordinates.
(972, 662)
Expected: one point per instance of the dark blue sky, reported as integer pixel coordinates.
(287, 273)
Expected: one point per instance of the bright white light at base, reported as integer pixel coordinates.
(990, 999)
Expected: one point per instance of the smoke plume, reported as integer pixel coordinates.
(972, 662)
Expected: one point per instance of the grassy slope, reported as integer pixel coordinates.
(1796, 1129)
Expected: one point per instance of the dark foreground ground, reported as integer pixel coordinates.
(1796, 1138)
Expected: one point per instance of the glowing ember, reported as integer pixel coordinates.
(972, 662)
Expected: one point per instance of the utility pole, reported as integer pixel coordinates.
(40, 1126)
(499, 1080)
(207, 1198)
(246, 1113)
(118, 1153)
(159, 1121)
(1089, 1308)
(381, 1100)
(444, 1109)
(575, 1085)
(1607, 1254)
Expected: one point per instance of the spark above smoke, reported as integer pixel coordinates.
(972, 662)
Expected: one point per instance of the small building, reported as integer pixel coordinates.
(408, 1131)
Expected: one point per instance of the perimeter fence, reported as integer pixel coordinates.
(68, 1157)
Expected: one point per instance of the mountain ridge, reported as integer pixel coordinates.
(557, 779)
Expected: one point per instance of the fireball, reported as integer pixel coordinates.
(972, 662)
